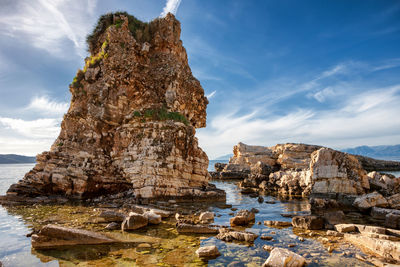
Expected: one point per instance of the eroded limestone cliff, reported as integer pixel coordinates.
(132, 119)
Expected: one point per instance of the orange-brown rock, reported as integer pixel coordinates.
(132, 119)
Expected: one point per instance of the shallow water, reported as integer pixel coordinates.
(167, 247)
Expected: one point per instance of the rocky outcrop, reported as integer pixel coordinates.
(131, 122)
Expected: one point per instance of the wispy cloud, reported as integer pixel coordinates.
(47, 106)
(46, 24)
(170, 7)
(210, 95)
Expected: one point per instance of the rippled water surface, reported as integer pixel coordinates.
(167, 247)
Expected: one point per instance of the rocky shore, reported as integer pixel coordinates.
(337, 184)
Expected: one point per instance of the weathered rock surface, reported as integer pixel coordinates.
(308, 222)
(280, 257)
(131, 122)
(208, 252)
(377, 241)
(370, 200)
(229, 235)
(243, 217)
(52, 236)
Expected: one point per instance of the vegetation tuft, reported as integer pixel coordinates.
(160, 115)
(139, 29)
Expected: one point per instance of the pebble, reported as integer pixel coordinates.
(268, 247)
(301, 239)
(291, 245)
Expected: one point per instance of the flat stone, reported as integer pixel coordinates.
(52, 236)
(195, 229)
(345, 228)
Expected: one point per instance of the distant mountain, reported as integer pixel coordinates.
(379, 152)
(12, 159)
(224, 157)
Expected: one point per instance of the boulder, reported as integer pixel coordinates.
(152, 217)
(243, 217)
(308, 222)
(370, 200)
(184, 228)
(280, 257)
(206, 217)
(53, 236)
(231, 235)
(134, 221)
(394, 201)
(208, 252)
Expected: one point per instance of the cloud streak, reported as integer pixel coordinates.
(47, 24)
(170, 7)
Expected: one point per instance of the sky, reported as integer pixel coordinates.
(317, 72)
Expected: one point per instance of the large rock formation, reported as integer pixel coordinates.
(132, 119)
(332, 178)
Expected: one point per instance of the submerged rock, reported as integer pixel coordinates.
(280, 257)
(131, 123)
(52, 236)
(308, 222)
(184, 228)
(277, 224)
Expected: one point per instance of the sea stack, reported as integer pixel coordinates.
(132, 120)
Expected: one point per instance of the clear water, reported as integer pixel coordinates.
(168, 248)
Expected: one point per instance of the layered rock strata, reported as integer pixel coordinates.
(131, 122)
(333, 179)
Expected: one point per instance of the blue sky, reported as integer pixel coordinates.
(320, 72)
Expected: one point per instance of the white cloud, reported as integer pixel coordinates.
(210, 95)
(369, 118)
(170, 7)
(46, 24)
(47, 106)
(40, 128)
